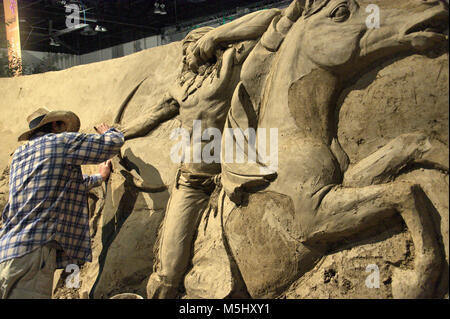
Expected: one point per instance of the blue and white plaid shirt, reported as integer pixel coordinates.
(48, 194)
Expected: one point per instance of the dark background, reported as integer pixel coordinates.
(125, 20)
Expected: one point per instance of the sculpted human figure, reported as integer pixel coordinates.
(211, 69)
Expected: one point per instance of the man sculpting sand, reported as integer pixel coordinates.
(46, 220)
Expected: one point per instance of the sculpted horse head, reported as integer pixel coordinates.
(291, 82)
(340, 37)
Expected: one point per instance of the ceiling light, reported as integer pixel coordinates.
(157, 10)
(88, 31)
(99, 28)
(160, 8)
(54, 43)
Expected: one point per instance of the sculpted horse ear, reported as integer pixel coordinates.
(303, 7)
(290, 15)
(295, 10)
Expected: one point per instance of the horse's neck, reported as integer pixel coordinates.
(299, 97)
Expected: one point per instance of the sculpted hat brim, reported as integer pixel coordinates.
(71, 120)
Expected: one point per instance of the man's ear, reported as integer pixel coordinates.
(54, 127)
(59, 127)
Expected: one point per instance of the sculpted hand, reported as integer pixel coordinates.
(224, 79)
(105, 169)
(205, 48)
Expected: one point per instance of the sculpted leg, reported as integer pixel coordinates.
(386, 162)
(346, 211)
(182, 217)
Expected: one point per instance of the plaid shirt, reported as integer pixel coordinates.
(48, 194)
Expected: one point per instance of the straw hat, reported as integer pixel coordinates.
(44, 116)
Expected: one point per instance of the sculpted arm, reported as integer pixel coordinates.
(248, 27)
(167, 109)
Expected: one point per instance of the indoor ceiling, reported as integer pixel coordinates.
(44, 21)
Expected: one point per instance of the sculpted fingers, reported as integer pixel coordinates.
(196, 50)
(226, 71)
(228, 59)
(295, 9)
(290, 15)
(204, 50)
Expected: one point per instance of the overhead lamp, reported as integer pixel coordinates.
(160, 7)
(88, 31)
(99, 28)
(67, 2)
(54, 43)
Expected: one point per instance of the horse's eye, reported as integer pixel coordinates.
(340, 13)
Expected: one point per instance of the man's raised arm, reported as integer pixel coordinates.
(85, 149)
(248, 27)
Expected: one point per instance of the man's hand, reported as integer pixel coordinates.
(105, 169)
(102, 128)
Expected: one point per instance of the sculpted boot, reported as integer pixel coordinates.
(157, 288)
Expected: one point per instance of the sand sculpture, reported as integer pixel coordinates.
(261, 230)
(299, 74)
